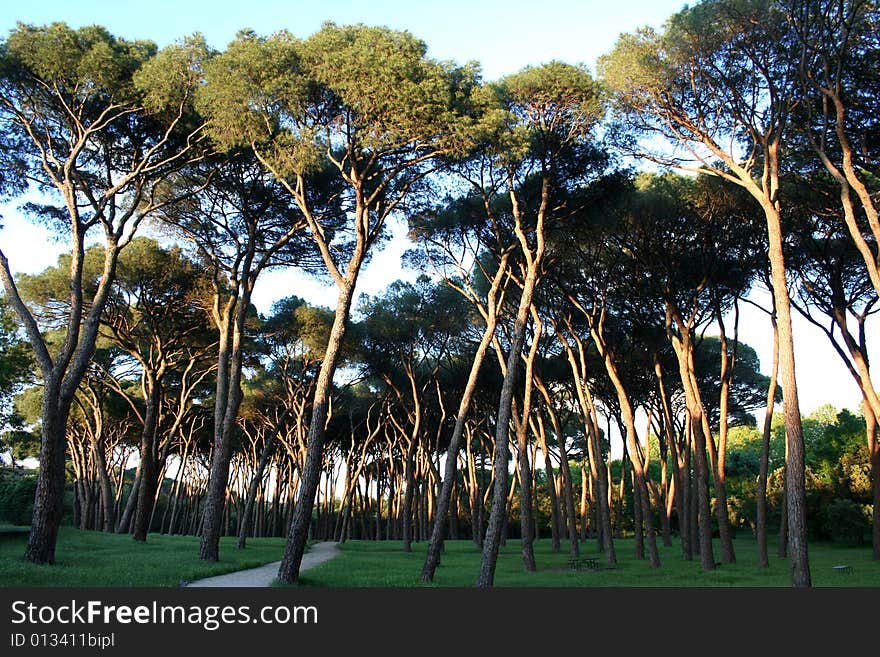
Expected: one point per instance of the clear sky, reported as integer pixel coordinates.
(502, 35)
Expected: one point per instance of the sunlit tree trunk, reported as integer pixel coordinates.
(533, 260)
(436, 543)
(644, 516)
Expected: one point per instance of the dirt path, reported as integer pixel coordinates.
(264, 575)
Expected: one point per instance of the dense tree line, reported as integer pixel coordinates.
(566, 297)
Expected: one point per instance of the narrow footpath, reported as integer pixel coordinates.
(264, 575)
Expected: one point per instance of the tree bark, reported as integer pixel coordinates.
(874, 452)
(231, 323)
(265, 456)
(678, 487)
(640, 487)
(521, 426)
(533, 260)
(149, 466)
(598, 469)
(683, 346)
(288, 571)
(551, 484)
(728, 362)
(49, 497)
(795, 467)
(761, 494)
(498, 513)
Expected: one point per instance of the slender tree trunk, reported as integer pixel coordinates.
(858, 366)
(664, 494)
(106, 486)
(640, 486)
(565, 470)
(254, 486)
(874, 452)
(149, 466)
(782, 543)
(288, 571)
(408, 495)
(176, 493)
(127, 517)
(521, 425)
(551, 483)
(689, 493)
(598, 469)
(231, 323)
(498, 513)
(568, 498)
(795, 467)
(588, 494)
(683, 346)
(49, 498)
(668, 453)
(761, 494)
(728, 361)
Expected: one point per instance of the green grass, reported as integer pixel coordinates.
(97, 559)
(87, 558)
(12, 530)
(384, 564)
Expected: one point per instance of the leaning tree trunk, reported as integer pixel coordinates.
(640, 486)
(598, 470)
(437, 532)
(288, 571)
(49, 498)
(527, 531)
(861, 372)
(555, 521)
(265, 457)
(498, 513)
(565, 470)
(533, 260)
(228, 394)
(127, 516)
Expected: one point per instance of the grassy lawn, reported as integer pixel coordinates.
(384, 564)
(97, 559)
(85, 558)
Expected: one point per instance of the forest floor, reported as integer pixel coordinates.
(265, 575)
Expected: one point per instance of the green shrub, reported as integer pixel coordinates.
(845, 520)
(17, 490)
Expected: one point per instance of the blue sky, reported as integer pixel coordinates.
(503, 36)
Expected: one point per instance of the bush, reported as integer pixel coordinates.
(17, 490)
(845, 520)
